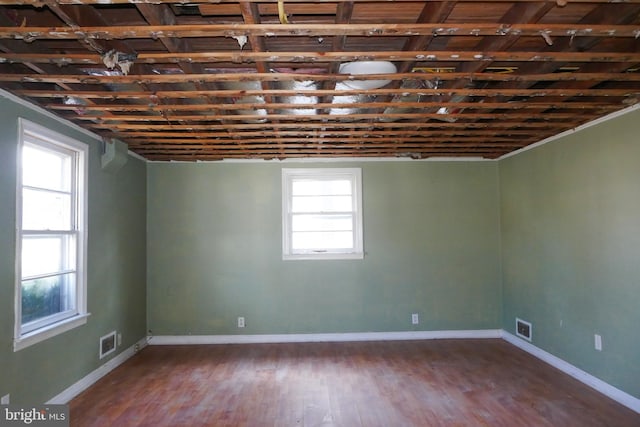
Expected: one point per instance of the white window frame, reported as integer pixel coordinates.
(288, 176)
(34, 134)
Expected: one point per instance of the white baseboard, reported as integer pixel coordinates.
(334, 337)
(78, 387)
(597, 384)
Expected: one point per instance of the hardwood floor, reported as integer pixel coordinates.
(403, 383)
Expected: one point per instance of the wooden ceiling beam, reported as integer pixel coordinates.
(342, 119)
(552, 69)
(64, 12)
(268, 142)
(520, 12)
(343, 16)
(231, 93)
(161, 14)
(568, 31)
(306, 133)
(44, 69)
(308, 154)
(334, 57)
(530, 104)
(330, 126)
(410, 152)
(601, 15)
(76, 17)
(431, 12)
(229, 77)
(524, 12)
(251, 16)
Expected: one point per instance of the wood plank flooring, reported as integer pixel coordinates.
(403, 383)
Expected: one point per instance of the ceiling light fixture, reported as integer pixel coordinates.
(364, 68)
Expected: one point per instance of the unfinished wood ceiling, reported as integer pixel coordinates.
(218, 79)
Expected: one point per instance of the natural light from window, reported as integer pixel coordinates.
(322, 216)
(51, 287)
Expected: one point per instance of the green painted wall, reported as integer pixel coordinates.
(551, 235)
(431, 232)
(116, 269)
(571, 247)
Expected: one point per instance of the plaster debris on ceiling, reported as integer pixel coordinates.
(547, 38)
(242, 40)
(124, 61)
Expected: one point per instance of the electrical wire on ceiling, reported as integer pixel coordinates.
(281, 13)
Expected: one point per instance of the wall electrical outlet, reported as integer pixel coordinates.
(415, 319)
(597, 341)
(4, 400)
(240, 322)
(119, 339)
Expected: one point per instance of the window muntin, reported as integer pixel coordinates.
(51, 244)
(322, 214)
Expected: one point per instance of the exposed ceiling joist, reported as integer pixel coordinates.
(215, 79)
(314, 30)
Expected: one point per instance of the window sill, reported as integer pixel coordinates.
(42, 334)
(323, 256)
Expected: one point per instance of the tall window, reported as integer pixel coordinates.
(50, 290)
(322, 213)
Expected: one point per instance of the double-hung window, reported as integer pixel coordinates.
(51, 234)
(322, 213)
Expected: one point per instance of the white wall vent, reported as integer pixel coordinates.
(107, 344)
(523, 329)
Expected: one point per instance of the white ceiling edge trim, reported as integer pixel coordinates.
(587, 125)
(49, 114)
(59, 119)
(137, 156)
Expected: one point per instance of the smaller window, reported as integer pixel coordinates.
(322, 214)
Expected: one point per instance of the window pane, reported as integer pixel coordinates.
(309, 187)
(45, 210)
(47, 254)
(322, 214)
(47, 296)
(322, 240)
(322, 223)
(46, 169)
(321, 204)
